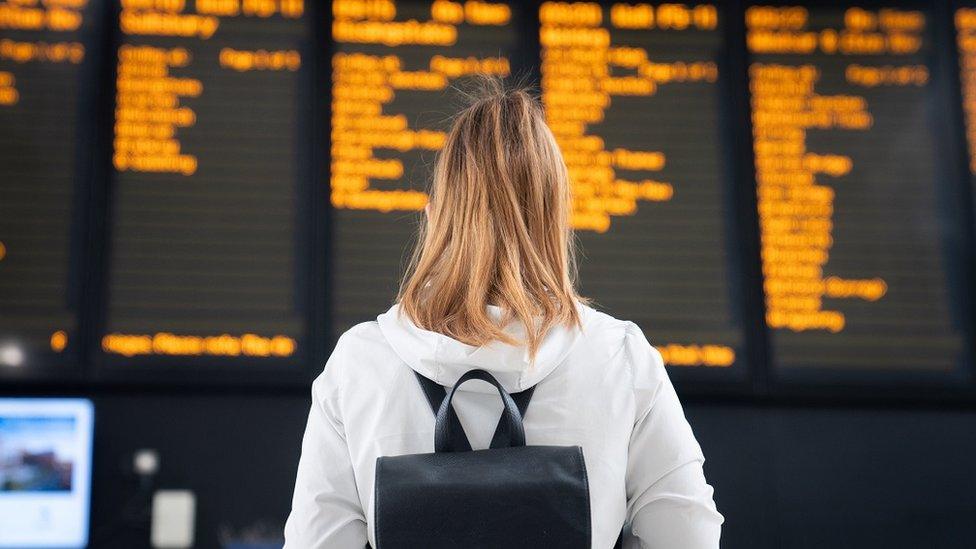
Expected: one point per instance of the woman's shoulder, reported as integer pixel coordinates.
(602, 330)
(360, 351)
(362, 334)
(621, 341)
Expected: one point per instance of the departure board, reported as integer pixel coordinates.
(255, 172)
(632, 94)
(43, 51)
(396, 67)
(858, 275)
(207, 227)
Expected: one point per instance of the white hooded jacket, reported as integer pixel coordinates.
(603, 388)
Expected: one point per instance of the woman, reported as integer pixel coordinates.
(491, 286)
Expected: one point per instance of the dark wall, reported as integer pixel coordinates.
(238, 453)
(784, 477)
(836, 478)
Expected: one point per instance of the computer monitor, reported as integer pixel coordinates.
(45, 472)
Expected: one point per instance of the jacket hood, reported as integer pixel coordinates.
(445, 359)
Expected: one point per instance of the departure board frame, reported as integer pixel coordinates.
(221, 371)
(71, 366)
(821, 384)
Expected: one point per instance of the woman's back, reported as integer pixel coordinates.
(602, 387)
(491, 286)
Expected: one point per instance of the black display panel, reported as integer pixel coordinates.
(199, 255)
(396, 67)
(861, 276)
(635, 95)
(207, 251)
(45, 53)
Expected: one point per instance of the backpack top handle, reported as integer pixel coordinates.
(442, 428)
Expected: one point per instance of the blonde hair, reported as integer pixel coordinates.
(498, 227)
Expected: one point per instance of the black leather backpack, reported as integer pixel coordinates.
(510, 495)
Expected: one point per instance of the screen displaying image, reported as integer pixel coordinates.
(45, 456)
(37, 454)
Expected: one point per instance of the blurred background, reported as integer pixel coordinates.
(198, 197)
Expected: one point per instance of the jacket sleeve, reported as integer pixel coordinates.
(669, 503)
(326, 510)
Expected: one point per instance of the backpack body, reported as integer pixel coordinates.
(526, 496)
(510, 495)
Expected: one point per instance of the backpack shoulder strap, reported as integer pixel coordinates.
(501, 437)
(435, 394)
